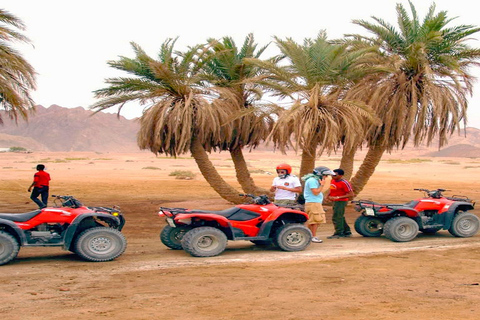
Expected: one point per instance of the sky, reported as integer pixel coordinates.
(71, 41)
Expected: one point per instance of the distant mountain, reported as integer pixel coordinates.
(458, 150)
(465, 144)
(64, 129)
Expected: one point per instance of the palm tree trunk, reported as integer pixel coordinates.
(307, 163)
(243, 175)
(210, 174)
(346, 163)
(366, 170)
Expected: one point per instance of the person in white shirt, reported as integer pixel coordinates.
(286, 186)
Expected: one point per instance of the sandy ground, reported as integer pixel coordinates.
(432, 277)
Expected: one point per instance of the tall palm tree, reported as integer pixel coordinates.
(178, 117)
(228, 71)
(315, 76)
(418, 83)
(17, 76)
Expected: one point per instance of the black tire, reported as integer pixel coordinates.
(464, 225)
(100, 244)
(172, 237)
(293, 237)
(369, 226)
(401, 229)
(204, 242)
(9, 247)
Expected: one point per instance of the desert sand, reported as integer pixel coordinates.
(431, 277)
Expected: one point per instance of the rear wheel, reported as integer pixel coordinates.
(401, 229)
(369, 226)
(100, 244)
(9, 247)
(204, 242)
(293, 237)
(172, 237)
(465, 224)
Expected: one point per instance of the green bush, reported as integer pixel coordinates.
(182, 174)
(17, 149)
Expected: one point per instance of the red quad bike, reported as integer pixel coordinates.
(205, 233)
(93, 233)
(401, 222)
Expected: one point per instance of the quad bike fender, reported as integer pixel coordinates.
(284, 213)
(281, 217)
(222, 221)
(405, 211)
(452, 210)
(86, 221)
(14, 230)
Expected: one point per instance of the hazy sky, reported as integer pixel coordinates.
(73, 40)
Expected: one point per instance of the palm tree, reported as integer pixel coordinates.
(233, 78)
(17, 76)
(179, 117)
(315, 77)
(418, 82)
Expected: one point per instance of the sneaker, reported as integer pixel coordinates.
(316, 240)
(335, 236)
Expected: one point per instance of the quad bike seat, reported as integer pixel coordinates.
(19, 217)
(233, 213)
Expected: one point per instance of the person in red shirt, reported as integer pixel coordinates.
(40, 185)
(340, 192)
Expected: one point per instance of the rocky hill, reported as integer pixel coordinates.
(63, 129)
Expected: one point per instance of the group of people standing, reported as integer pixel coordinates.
(321, 181)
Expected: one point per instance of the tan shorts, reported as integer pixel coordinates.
(316, 214)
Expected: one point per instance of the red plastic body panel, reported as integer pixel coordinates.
(53, 215)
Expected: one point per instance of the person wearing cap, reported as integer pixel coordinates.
(40, 185)
(286, 186)
(316, 183)
(340, 192)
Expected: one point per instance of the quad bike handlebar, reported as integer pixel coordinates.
(261, 200)
(437, 193)
(66, 201)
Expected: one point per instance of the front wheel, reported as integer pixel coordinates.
(172, 237)
(204, 242)
(401, 229)
(369, 226)
(464, 225)
(293, 237)
(9, 247)
(100, 244)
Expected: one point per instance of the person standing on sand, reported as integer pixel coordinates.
(286, 186)
(40, 185)
(316, 183)
(340, 192)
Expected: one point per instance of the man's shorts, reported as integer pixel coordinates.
(316, 214)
